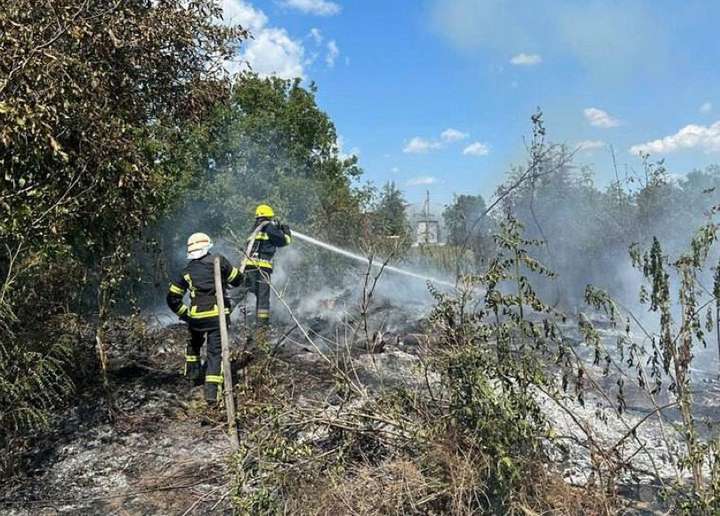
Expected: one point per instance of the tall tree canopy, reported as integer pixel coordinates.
(100, 103)
(96, 100)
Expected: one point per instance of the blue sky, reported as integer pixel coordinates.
(437, 94)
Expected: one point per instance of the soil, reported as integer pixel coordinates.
(154, 452)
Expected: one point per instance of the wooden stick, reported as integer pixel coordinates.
(225, 343)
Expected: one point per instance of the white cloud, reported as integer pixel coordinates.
(317, 7)
(395, 170)
(590, 145)
(316, 36)
(332, 53)
(706, 108)
(419, 145)
(421, 181)
(239, 12)
(453, 135)
(271, 51)
(524, 59)
(599, 118)
(690, 137)
(476, 149)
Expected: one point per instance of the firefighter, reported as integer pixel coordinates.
(202, 316)
(268, 235)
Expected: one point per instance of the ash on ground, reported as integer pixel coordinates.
(159, 453)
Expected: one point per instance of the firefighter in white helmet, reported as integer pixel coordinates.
(202, 315)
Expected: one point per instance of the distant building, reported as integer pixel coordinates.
(427, 226)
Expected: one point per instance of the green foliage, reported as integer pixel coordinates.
(676, 344)
(96, 146)
(99, 104)
(663, 361)
(468, 224)
(94, 101)
(390, 216)
(273, 144)
(587, 231)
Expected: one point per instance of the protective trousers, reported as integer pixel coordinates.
(257, 281)
(213, 350)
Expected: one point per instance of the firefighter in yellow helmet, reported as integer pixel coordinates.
(202, 315)
(268, 236)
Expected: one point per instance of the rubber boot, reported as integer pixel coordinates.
(193, 369)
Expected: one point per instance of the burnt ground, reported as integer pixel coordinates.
(149, 446)
(156, 454)
(155, 451)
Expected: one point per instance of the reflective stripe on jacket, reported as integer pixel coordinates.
(267, 241)
(198, 278)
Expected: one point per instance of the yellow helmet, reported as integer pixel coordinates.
(265, 211)
(198, 245)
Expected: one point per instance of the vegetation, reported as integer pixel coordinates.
(121, 133)
(468, 225)
(464, 443)
(148, 141)
(97, 104)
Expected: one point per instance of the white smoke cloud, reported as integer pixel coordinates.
(316, 35)
(589, 145)
(592, 32)
(332, 53)
(238, 12)
(418, 145)
(453, 135)
(271, 52)
(421, 180)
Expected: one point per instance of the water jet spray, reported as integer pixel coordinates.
(367, 261)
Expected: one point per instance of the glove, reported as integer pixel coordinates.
(285, 228)
(184, 318)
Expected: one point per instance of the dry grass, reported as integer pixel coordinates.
(443, 479)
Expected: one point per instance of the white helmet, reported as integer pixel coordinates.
(198, 246)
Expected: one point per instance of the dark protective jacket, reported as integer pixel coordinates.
(198, 278)
(267, 240)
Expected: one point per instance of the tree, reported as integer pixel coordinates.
(273, 144)
(99, 103)
(93, 100)
(390, 216)
(270, 143)
(460, 220)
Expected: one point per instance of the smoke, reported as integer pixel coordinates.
(305, 272)
(586, 233)
(313, 294)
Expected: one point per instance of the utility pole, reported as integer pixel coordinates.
(225, 343)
